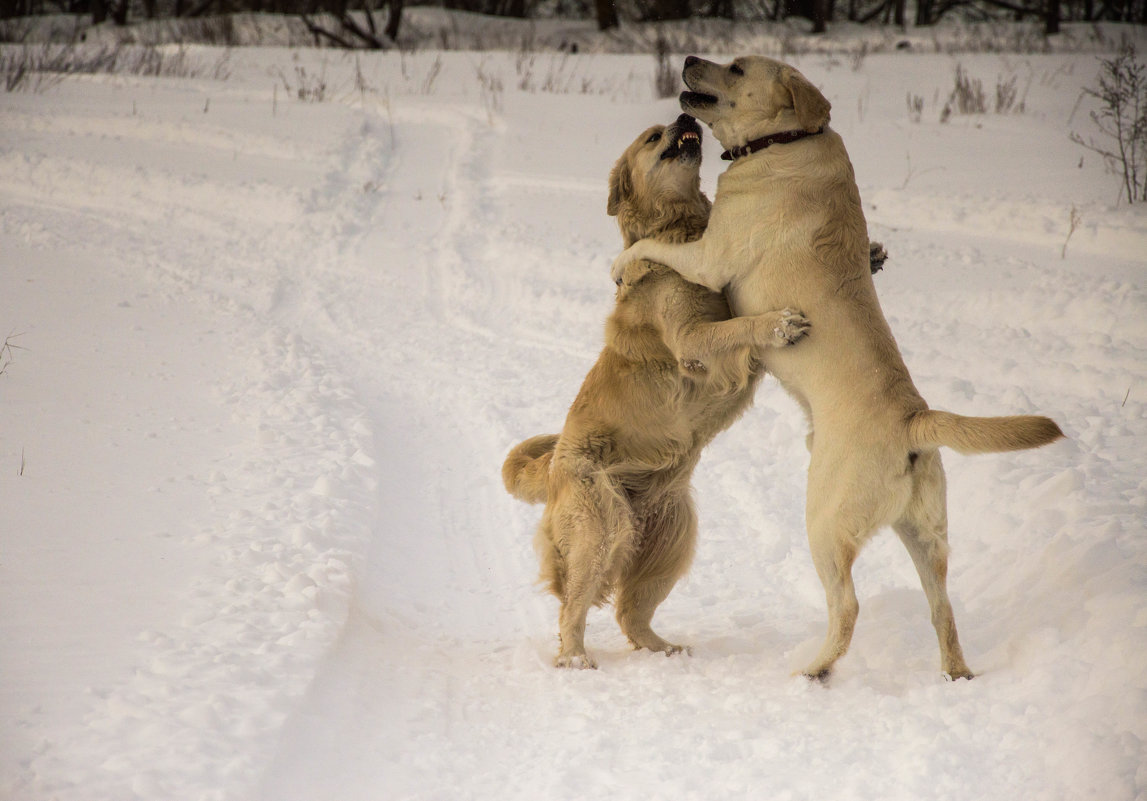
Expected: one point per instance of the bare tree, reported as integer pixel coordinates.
(819, 11)
(352, 35)
(606, 12)
(1122, 118)
(665, 10)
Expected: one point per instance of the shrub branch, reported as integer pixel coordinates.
(1122, 119)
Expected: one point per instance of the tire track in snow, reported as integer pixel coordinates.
(202, 712)
(285, 512)
(441, 594)
(419, 392)
(384, 193)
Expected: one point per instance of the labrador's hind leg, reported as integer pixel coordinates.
(833, 552)
(924, 531)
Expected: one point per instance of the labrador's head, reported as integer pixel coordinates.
(656, 176)
(751, 97)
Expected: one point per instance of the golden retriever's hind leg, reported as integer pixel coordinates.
(584, 577)
(571, 625)
(668, 539)
(635, 607)
(924, 531)
(601, 537)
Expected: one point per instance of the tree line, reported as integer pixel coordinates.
(359, 29)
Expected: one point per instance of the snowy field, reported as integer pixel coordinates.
(266, 355)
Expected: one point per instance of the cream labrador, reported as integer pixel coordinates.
(675, 370)
(787, 229)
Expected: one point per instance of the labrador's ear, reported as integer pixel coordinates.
(810, 105)
(620, 187)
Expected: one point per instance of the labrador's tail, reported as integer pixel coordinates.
(930, 429)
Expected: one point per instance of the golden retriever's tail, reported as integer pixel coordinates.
(526, 467)
(932, 429)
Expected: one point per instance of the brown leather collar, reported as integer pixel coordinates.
(782, 138)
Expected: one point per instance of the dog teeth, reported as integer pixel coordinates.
(690, 136)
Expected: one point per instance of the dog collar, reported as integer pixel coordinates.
(782, 138)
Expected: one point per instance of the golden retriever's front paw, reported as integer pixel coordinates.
(582, 661)
(791, 326)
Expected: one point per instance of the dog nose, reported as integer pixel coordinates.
(685, 119)
(690, 61)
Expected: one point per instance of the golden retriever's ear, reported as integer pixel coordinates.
(811, 106)
(620, 187)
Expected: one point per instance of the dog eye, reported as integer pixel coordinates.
(736, 70)
(653, 138)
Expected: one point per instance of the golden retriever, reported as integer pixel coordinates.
(675, 370)
(787, 229)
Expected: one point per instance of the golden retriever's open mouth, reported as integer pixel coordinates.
(684, 137)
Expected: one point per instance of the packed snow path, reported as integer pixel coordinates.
(257, 544)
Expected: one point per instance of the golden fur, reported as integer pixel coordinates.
(675, 370)
(787, 229)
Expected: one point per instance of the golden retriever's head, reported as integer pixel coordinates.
(751, 97)
(656, 184)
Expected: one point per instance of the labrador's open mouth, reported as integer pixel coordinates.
(697, 99)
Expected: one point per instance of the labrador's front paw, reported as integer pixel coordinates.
(617, 272)
(877, 255)
(634, 272)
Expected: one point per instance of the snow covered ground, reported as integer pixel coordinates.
(267, 355)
